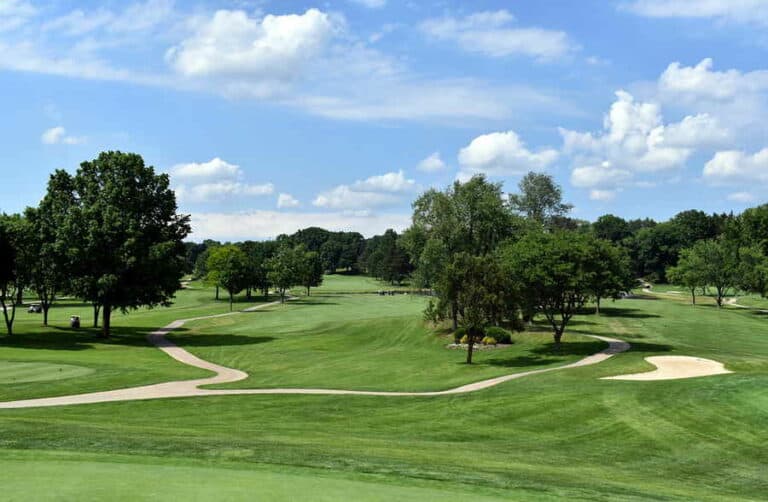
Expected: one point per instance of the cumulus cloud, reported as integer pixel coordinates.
(635, 137)
(636, 141)
(216, 179)
(503, 154)
(269, 224)
(701, 81)
(389, 182)
(492, 33)
(740, 11)
(432, 164)
(376, 191)
(286, 200)
(736, 166)
(272, 48)
(58, 136)
(213, 169)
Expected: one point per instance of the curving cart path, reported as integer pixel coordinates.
(191, 388)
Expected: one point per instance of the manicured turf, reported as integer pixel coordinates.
(564, 434)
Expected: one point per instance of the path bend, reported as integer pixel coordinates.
(223, 374)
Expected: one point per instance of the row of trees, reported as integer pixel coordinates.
(493, 259)
(246, 266)
(109, 235)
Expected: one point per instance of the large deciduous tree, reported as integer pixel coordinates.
(690, 272)
(609, 274)
(123, 235)
(540, 198)
(228, 268)
(553, 273)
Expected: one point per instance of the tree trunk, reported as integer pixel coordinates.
(8, 320)
(693, 297)
(470, 347)
(106, 323)
(248, 294)
(45, 314)
(217, 292)
(231, 301)
(558, 338)
(307, 290)
(455, 316)
(96, 310)
(597, 306)
(20, 296)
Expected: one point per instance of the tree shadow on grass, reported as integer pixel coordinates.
(218, 340)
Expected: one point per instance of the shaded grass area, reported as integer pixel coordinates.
(556, 435)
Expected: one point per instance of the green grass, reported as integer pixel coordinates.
(341, 283)
(360, 342)
(564, 434)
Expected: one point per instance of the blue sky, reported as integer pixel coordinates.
(272, 116)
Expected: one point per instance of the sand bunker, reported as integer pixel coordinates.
(676, 367)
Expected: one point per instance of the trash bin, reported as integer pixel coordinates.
(74, 321)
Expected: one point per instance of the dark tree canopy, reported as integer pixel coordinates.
(123, 234)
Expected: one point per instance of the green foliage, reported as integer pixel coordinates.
(459, 334)
(540, 199)
(228, 268)
(464, 339)
(499, 333)
(489, 340)
(121, 231)
(554, 274)
(8, 273)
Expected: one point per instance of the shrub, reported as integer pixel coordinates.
(464, 339)
(500, 334)
(459, 334)
(489, 340)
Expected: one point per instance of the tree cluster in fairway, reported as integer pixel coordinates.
(493, 259)
(109, 234)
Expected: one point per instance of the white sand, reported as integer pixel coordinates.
(676, 367)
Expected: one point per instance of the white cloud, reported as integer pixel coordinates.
(740, 11)
(735, 166)
(135, 18)
(602, 195)
(216, 179)
(375, 191)
(371, 4)
(503, 154)
(741, 197)
(432, 164)
(345, 197)
(15, 13)
(389, 182)
(599, 176)
(701, 81)
(269, 224)
(58, 136)
(309, 61)
(635, 138)
(489, 33)
(286, 200)
(272, 49)
(215, 168)
(205, 192)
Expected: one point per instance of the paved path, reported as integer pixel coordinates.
(191, 388)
